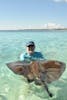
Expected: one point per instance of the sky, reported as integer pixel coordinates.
(25, 13)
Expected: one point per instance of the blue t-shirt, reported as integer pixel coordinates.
(32, 57)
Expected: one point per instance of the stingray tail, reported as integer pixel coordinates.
(46, 87)
(44, 84)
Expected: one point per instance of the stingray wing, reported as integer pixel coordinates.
(53, 70)
(18, 67)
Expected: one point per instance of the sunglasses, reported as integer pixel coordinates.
(30, 46)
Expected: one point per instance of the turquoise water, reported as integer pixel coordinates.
(52, 44)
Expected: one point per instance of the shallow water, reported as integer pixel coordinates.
(52, 44)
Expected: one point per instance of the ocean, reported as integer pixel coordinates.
(52, 44)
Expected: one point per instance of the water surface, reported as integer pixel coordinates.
(52, 44)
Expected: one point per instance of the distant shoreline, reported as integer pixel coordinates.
(32, 30)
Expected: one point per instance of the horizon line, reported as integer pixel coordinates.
(43, 29)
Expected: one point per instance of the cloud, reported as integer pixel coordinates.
(65, 0)
(60, 0)
(57, 0)
(54, 26)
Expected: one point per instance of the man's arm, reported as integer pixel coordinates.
(22, 57)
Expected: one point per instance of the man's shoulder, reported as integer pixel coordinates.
(38, 53)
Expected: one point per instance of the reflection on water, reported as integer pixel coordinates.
(53, 45)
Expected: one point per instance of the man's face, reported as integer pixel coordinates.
(30, 49)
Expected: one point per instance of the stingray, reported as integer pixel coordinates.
(41, 72)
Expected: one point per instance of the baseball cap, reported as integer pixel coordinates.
(30, 43)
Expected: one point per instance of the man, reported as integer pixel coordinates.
(31, 54)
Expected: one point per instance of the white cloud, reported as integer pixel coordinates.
(53, 26)
(8, 27)
(57, 0)
(42, 26)
(65, 0)
(60, 0)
